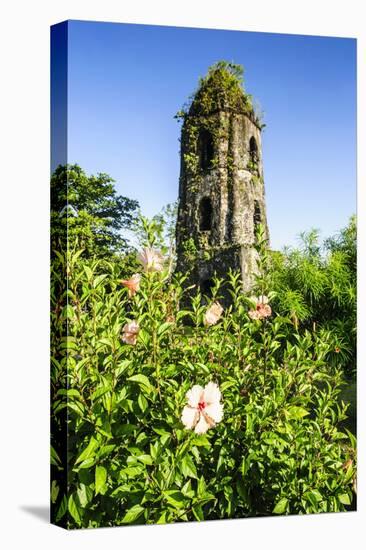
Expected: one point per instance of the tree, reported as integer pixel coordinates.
(88, 209)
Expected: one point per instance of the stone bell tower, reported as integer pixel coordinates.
(221, 186)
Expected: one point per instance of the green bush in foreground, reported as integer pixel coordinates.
(124, 356)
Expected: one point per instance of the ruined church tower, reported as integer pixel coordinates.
(221, 186)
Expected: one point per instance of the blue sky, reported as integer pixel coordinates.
(126, 82)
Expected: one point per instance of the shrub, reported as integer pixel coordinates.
(278, 448)
(316, 287)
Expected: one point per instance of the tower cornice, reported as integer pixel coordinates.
(250, 114)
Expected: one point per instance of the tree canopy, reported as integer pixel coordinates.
(89, 210)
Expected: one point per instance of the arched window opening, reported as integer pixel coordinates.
(253, 150)
(205, 214)
(206, 287)
(206, 149)
(257, 217)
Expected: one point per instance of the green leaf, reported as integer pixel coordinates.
(88, 452)
(73, 509)
(126, 429)
(198, 512)
(188, 467)
(145, 459)
(121, 367)
(245, 466)
(316, 494)
(352, 439)
(187, 490)
(85, 494)
(161, 431)
(105, 450)
(221, 460)
(142, 381)
(349, 473)
(99, 392)
(62, 509)
(144, 337)
(297, 412)
(281, 506)
(87, 463)
(132, 471)
(155, 450)
(163, 328)
(88, 272)
(55, 459)
(163, 518)
(68, 312)
(100, 479)
(200, 441)
(201, 487)
(242, 490)
(133, 513)
(69, 343)
(106, 341)
(54, 491)
(228, 384)
(69, 393)
(76, 407)
(314, 497)
(98, 280)
(175, 498)
(142, 402)
(344, 499)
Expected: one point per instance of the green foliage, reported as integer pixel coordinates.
(159, 231)
(221, 88)
(316, 287)
(87, 210)
(253, 167)
(279, 448)
(190, 249)
(346, 243)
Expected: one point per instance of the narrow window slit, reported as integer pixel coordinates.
(206, 149)
(257, 214)
(257, 219)
(205, 214)
(253, 150)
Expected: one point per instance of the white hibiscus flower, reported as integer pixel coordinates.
(204, 409)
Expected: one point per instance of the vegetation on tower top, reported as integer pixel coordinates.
(221, 89)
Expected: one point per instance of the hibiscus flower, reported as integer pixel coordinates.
(151, 259)
(204, 409)
(130, 332)
(213, 314)
(132, 284)
(262, 308)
